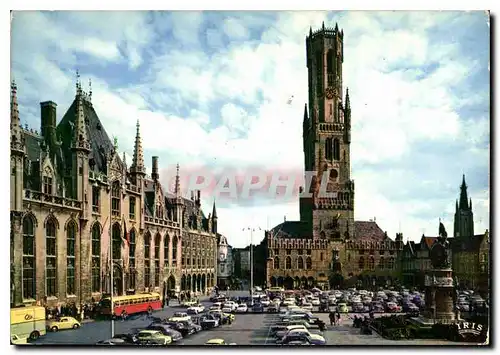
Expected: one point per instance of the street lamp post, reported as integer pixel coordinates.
(251, 229)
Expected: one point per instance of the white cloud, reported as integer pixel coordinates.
(230, 107)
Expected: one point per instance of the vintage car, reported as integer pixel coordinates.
(166, 330)
(242, 308)
(208, 321)
(188, 304)
(179, 316)
(342, 308)
(62, 323)
(218, 341)
(195, 309)
(153, 337)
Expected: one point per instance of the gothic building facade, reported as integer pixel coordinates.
(327, 246)
(78, 209)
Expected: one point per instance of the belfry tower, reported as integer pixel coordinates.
(329, 208)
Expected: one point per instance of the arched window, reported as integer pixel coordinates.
(165, 250)
(328, 149)
(300, 263)
(276, 263)
(336, 149)
(372, 263)
(96, 257)
(131, 258)
(157, 260)
(174, 251)
(117, 242)
(48, 181)
(308, 263)
(288, 263)
(381, 264)
(390, 264)
(361, 263)
(50, 259)
(29, 279)
(147, 256)
(115, 198)
(70, 258)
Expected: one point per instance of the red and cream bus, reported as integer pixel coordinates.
(130, 304)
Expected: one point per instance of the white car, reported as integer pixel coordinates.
(227, 309)
(242, 308)
(307, 306)
(217, 305)
(196, 308)
(265, 301)
(315, 301)
(289, 302)
(188, 303)
(231, 304)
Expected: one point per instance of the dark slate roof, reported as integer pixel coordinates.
(100, 144)
(368, 230)
(292, 229)
(32, 143)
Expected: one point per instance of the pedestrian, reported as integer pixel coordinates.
(332, 318)
(338, 318)
(168, 300)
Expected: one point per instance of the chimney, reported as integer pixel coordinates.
(198, 198)
(154, 174)
(284, 218)
(48, 110)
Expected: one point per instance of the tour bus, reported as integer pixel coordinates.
(130, 304)
(27, 322)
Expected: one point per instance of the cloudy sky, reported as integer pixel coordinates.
(212, 92)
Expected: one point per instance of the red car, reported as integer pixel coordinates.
(392, 307)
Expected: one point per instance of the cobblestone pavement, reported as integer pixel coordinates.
(248, 329)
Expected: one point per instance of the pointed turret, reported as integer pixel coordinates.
(16, 135)
(347, 101)
(214, 219)
(456, 206)
(310, 31)
(323, 26)
(80, 139)
(137, 166)
(470, 204)
(336, 27)
(17, 153)
(463, 205)
(177, 183)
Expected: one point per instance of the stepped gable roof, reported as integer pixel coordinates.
(427, 242)
(100, 144)
(368, 230)
(292, 229)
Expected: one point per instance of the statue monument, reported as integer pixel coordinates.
(439, 284)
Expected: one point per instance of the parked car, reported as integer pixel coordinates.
(166, 330)
(265, 301)
(153, 337)
(62, 323)
(182, 328)
(242, 308)
(257, 308)
(299, 334)
(188, 303)
(273, 308)
(179, 316)
(217, 342)
(392, 307)
(307, 306)
(208, 321)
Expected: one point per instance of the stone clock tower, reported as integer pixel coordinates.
(326, 139)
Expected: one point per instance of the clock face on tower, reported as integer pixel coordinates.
(330, 92)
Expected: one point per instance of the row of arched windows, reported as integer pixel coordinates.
(299, 263)
(51, 256)
(370, 263)
(332, 149)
